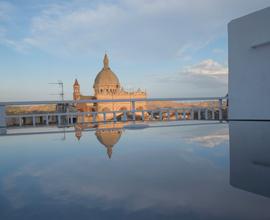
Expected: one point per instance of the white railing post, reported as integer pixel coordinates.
(213, 114)
(70, 119)
(114, 117)
(160, 115)
(220, 109)
(176, 115)
(58, 120)
(206, 114)
(20, 121)
(104, 116)
(184, 114)
(3, 123)
(47, 120)
(34, 120)
(133, 111)
(94, 117)
(192, 114)
(168, 114)
(125, 116)
(152, 115)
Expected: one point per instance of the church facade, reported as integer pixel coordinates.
(107, 87)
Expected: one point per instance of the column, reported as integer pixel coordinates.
(184, 114)
(192, 114)
(114, 117)
(133, 111)
(176, 115)
(47, 120)
(3, 124)
(213, 114)
(220, 109)
(206, 114)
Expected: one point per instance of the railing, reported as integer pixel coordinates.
(69, 118)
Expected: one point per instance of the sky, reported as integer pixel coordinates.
(170, 48)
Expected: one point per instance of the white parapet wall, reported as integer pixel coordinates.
(249, 67)
(2, 120)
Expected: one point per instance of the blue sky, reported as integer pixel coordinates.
(172, 48)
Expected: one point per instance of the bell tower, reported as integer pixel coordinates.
(76, 90)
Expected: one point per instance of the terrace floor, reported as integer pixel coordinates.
(161, 170)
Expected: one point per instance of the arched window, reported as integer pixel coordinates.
(123, 108)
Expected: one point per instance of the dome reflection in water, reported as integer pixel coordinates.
(107, 134)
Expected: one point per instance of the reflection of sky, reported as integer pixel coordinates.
(156, 173)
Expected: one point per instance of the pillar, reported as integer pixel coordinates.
(3, 124)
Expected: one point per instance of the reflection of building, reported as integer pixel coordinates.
(78, 131)
(108, 138)
(250, 156)
(106, 87)
(107, 134)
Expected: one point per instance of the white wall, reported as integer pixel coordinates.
(2, 116)
(249, 66)
(250, 156)
(2, 120)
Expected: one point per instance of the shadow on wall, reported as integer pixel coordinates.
(250, 156)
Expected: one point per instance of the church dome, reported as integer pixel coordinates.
(108, 138)
(106, 77)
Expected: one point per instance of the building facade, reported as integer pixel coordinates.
(107, 87)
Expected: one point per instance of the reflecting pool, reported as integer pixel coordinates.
(166, 171)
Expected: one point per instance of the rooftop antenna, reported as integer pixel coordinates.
(61, 95)
(61, 85)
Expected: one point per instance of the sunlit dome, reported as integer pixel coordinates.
(106, 77)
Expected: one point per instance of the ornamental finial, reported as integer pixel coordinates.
(106, 61)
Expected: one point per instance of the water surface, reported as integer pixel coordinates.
(166, 171)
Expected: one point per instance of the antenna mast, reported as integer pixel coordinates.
(61, 85)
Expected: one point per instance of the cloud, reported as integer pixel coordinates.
(160, 29)
(208, 68)
(206, 135)
(142, 36)
(136, 26)
(5, 10)
(207, 73)
(210, 140)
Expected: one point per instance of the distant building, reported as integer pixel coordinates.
(106, 87)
